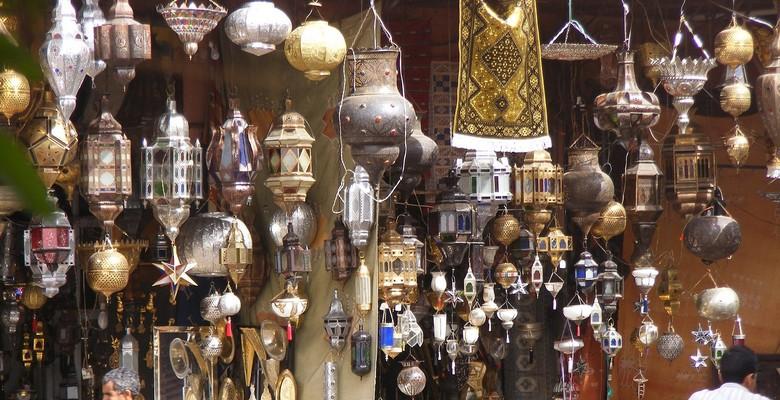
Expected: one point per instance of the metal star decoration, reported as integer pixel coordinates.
(175, 275)
(518, 288)
(698, 360)
(703, 336)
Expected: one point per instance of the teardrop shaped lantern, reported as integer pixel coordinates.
(315, 48)
(48, 249)
(421, 153)
(191, 21)
(257, 26)
(122, 42)
(107, 271)
(90, 17)
(65, 57)
(611, 222)
(587, 189)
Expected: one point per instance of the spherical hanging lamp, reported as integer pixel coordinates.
(14, 93)
(258, 26)
(315, 48)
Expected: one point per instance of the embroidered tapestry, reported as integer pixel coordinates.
(501, 103)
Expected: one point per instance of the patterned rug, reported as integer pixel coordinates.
(501, 104)
(441, 109)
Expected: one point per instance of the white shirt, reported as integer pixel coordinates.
(727, 391)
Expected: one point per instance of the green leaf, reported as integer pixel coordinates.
(17, 172)
(19, 59)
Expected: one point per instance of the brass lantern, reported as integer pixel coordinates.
(288, 148)
(14, 93)
(409, 234)
(734, 45)
(670, 290)
(315, 48)
(122, 42)
(538, 188)
(48, 249)
(50, 140)
(689, 160)
(611, 222)
(337, 324)
(642, 202)
(397, 269)
(559, 244)
(236, 256)
(292, 259)
(106, 180)
(609, 288)
(340, 256)
(107, 271)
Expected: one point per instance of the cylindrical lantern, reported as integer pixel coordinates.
(315, 48)
(538, 188)
(363, 290)
(257, 27)
(340, 256)
(691, 171)
(288, 149)
(360, 344)
(451, 221)
(48, 249)
(106, 177)
(122, 42)
(359, 208)
(337, 324)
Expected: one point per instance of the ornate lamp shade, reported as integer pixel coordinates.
(609, 287)
(304, 222)
(421, 153)
(670, 345)
(337, 323)
(236, 255)
(14, 93)
(191, 21)
(51, 140)
(340, 256)
(48, 249)
(374, 117)
(409, 234)
(717, 304)
(363, 289)
(122, 42)
(452, 213)
(642, 202)
(171, 171)
(734, 45)
(106, 179)
(587, 189)
(288, 148)
(689, 162)
(359, 208)
(559, 244)
(538, 188)
(234, 158)
(683, 78)
(411, 380)
(107, 272)
(65, 57)
(288, 304)
(209, 242)
(292, 259)
(397, 267)
(258, 26)
(485, 179)
(315, 48)
(712, 236)
(90, 17)
(644, 278)
(611, 222)
(769, 101)
(627, 111)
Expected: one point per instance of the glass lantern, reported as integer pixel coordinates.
(690, 167)
(340, 256)
(409, 235)
(397, 267)
(609, 287)
(452, 214)
(643, 204)
(559, 245)
(644, 278)
(236, 255)
(360, 345)
(585, 270)
(337, 324)
(538, 188)
(363, 290)
(106, 180)
(292, 259)
(49, 248)
(485, 179)
(359, 208)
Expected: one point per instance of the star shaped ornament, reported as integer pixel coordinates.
(519, 287)
(175, 275)
(698, 360)
(702, 336)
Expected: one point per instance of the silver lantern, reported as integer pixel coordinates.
(122, 42)
(304, 222)
(258, 26)
(359, 208)
(91, 16)
(485, 179)
(203, 237)
(191, 21)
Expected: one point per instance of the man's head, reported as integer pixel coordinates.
(120, 384)
(739, 365)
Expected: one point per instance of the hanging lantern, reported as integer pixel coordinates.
(51, 140)
(160, 248)
(714, 235)
(489, 305)
(577, 311)
(506, 274)
(257, 26)
(171, 171)
(611, 222)
(452, 215)
(106, 181)
(409, 235)
(538, 188)
(48, 249)
(642, 202)
(506, 229)
(288, 147)
(537, 275)
(733, 45)
(690, 170)
(587, 189)
(64, 57)
(337, 324)
(315, 48)
(363, 289)
(627, 111)
(340, 256)
(644, 278)
(11, 314)
(717, 304)
(717, 350)
(611, 342)
(33, 297)
(559, 245)
(683, 78)
(596, 318)
(737, 334)
(234, 158)
(289, 305)
(411, 380)
(670, 345)
(529, 333)
(14, 93)
(304, 222)
(585, 270)
(209, 306)
(191, 21)
(122, 42)
(360, 344)
(107, 271)
(485, 179)
(236, 255)
(769, 100)
(469, 287)
(90, 17)
(737, 147)
(204, 237)
(359, 208)
(374, 118)
(554, 285)
(735, 98)
(397, 267)
(292, 259)
(229, 304)
(670, 290)
(421, 153)
(609, 287)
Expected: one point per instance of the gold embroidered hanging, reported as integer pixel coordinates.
(501, 103)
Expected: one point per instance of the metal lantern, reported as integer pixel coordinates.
(373, 117)
(735, 97)
(257, 27)
(191, 21)
(205, 237)
(421, 153)
(769, 100)
(64, 57)
(359, 208)
(689, 160)
(609, 287)
(737, 334)
(315, 48)
(341, 257)
(122, 42)
(50, 139)
(48, 249)
(611, 221)
(289, 305)
(538, 188)
(236, 255)
(587, 189)
(585, 270)
(360, 345)
(506, 274)
(627, 110)
(107, 271)
(670, 345)
(529, 333)
(229, 303)
(11, 313)
(171, 171)
(90, 17)
(409, 235)
(506, 229)
(160, 248)
(611, 342)
(288, 148)
(106, 179)
(644, 278)
(33, 297)
(713, 235)
(292, 259)
(559, 245)
(209, 306)
(397, 267)
(683, 78)
(737, 147)
(452, 221)
(734, 45)
(337, 324)
(642, 203)
(411, 380)
(14, 93)
(485, 179)
(363, 289)
(717, 304)
(234, 158)
(304, 222)
(717, 350)
(670, 290)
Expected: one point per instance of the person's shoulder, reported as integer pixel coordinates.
(759, 397)
(698, 395)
